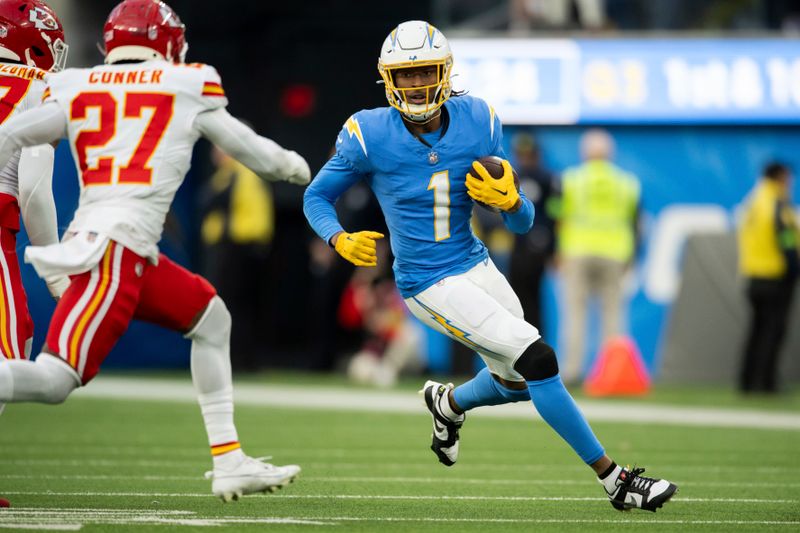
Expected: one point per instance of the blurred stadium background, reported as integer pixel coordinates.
(698, 95)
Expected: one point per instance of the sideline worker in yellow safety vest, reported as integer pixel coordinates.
(768, 260)
(596, 242)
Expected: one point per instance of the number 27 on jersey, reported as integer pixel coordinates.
(133, 170)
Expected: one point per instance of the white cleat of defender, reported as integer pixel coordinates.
(249, 477)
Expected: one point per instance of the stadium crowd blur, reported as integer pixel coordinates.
(296, 70)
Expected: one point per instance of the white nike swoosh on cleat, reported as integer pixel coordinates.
(441, 433)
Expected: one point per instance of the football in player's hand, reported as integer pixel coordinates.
(494, 166)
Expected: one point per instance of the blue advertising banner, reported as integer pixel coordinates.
(561, 81)
(693, 180)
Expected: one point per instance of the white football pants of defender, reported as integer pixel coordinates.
(480, 310)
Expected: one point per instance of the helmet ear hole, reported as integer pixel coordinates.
(38, 51)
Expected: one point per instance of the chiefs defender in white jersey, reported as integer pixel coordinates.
(31, 43)
(131, 125)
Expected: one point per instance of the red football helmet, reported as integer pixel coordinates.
(31, 34)
(142, 30)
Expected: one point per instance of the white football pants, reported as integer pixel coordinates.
(480, 310)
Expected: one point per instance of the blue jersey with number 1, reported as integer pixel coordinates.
(421, 189)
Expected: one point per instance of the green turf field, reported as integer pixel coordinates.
(125, 465)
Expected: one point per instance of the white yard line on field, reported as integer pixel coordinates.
(329, 398)
(43, 527)
(387, 497)
(70, 521)
(42, 512)
(75, 518)
(404, 479)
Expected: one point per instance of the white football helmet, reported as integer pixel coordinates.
(416, 44)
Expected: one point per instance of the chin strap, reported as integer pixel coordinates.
(423, 121)
(132, 53)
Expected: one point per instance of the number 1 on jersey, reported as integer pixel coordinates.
(136, 172)
(440, 183)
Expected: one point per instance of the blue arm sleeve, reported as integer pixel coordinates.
(320, 197)
(522, 220)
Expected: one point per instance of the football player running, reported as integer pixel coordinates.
(419, 157)
(31, 44)
(131, 125)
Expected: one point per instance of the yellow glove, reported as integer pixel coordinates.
(358, 247)
(500, 193)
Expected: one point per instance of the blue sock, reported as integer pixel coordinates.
(558, 409)
(483, 389)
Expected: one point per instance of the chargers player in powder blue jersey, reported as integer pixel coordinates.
(419, 156)
(420, 187)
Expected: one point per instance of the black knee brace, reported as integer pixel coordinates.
(537, 362)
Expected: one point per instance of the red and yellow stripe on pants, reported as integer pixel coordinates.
(16, 326)
(90, 311)
(92, 314)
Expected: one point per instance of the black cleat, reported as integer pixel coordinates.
(634, 491)
(445, 431)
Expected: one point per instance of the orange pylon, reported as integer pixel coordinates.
(618, 370)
